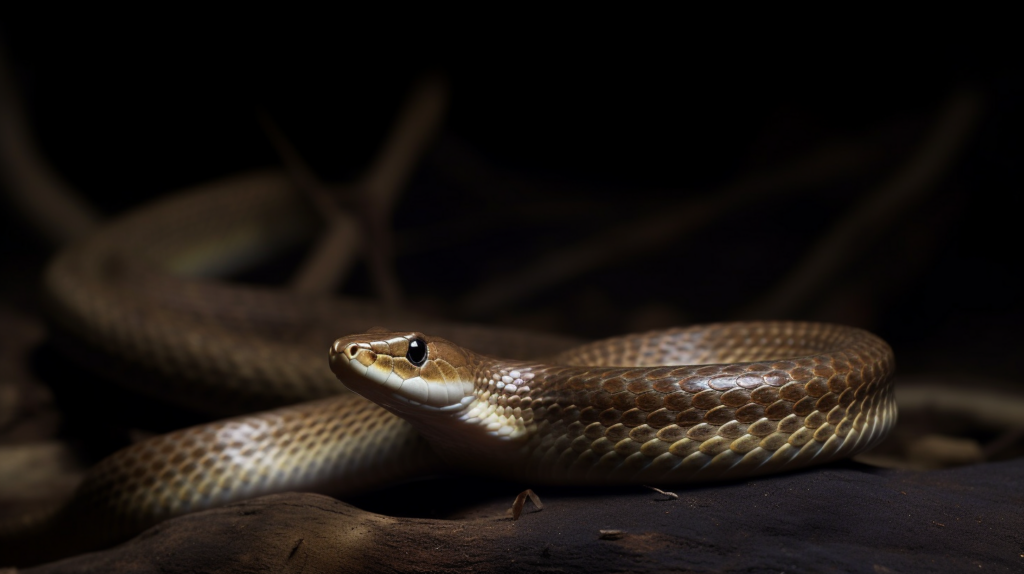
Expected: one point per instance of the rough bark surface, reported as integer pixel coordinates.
(845, 518)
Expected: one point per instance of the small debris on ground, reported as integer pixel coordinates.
(517, 506)
(670, 495)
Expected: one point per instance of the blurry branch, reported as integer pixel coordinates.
(327, 264)
(625, 241)
(329, 261)
(56, 210)
(50, 205)
(373, 197)
(877, 212)
(417, 123)
(324, 199)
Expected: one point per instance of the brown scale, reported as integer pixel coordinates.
(746, 411)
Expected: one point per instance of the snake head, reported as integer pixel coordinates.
(404, 371)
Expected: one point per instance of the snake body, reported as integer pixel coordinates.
(139, 290)
(752, 398)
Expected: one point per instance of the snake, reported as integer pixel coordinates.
(419, 397)
(687, 404)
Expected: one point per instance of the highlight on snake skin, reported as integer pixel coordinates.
(754, 398)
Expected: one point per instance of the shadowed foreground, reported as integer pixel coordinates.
(846, 518)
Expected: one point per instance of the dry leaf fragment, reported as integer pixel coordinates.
(517, 506)
(671, 495)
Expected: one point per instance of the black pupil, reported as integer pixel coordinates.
(417, 352)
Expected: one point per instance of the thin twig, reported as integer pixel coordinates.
(50, 204)
(327, 264)
(372, 197)
(322, 196)
(624, 241)
(670, 495)
(416, 125)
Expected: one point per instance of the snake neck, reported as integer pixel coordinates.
(491, 428)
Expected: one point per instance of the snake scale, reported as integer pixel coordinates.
(697, 403)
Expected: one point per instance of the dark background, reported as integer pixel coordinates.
(553, 139)
(564, 137)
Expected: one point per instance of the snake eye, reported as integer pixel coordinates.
(417, 354)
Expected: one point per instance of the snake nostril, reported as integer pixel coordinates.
(351, 350)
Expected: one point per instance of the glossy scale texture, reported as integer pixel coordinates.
(721, 400)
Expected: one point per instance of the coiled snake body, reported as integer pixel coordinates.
(620, 411)
(753, 398)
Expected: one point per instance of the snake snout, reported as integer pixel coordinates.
(352, 353)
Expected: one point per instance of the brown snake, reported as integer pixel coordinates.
(757, 397)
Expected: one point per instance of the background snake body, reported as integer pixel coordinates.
(755, 398)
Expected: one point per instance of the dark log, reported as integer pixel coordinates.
(842, 518)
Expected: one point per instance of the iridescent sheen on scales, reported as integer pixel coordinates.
(697, 403)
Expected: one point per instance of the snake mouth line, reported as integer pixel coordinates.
(453, 408)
